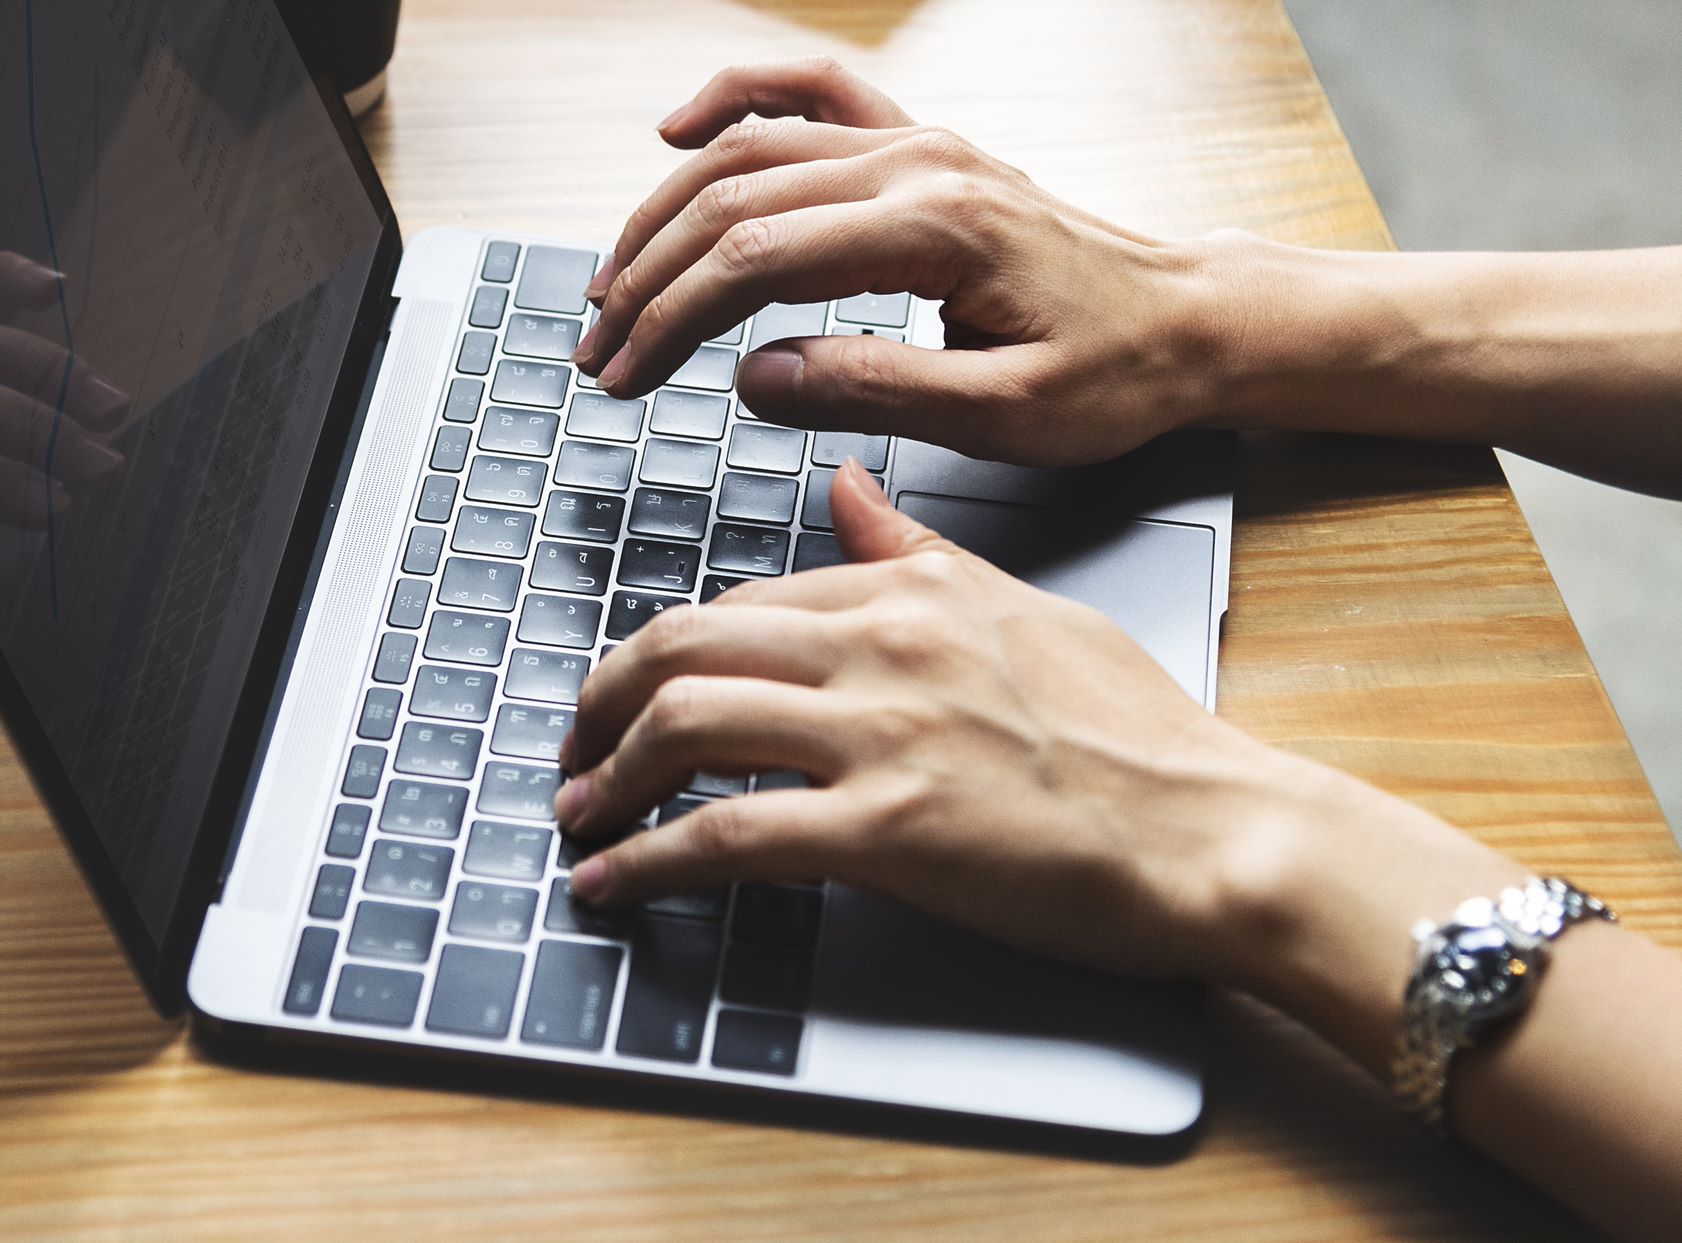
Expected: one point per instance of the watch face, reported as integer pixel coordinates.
(1482, 967)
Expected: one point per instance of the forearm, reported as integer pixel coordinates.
(1573, 359)
(1576, 1094)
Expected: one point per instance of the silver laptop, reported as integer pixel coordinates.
(293, 675)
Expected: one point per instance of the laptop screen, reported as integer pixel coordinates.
(185, 241)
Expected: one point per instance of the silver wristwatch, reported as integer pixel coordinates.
(1475, 971)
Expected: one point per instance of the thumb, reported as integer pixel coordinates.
(869, 528)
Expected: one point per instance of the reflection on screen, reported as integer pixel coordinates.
(183, 243)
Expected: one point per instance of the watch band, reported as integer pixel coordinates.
(1439, 1018)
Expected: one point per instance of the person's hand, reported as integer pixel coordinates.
(1069, 340)
(979, 748)
(33, 381)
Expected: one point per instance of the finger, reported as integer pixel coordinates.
(27, 435)
(720, 205)
(830, 589)
(816, 88)
(781, 644)
(25, 283)
(968, 400)
(813, 254)
(869, 528)
(781, 835)
(739, 150)
(24, 497)
(36, 367)
(711, 724)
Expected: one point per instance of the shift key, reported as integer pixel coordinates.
(673, 963)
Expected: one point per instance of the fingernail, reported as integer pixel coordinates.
(106, 401)
(567, 753)
(673, 119)
(600, 281)
(872, 490)
(589, 877)
(575, 795)
(583, 351)
(615, 370)
(92, 460)
(775, 366)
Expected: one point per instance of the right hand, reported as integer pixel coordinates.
(32, 382)
(1069, 340)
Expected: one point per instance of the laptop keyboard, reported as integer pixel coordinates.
(551, 523)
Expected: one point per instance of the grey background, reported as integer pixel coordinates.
(1540, 125)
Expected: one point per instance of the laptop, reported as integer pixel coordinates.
(293, 673)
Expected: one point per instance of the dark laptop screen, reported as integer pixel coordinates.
(182, 221)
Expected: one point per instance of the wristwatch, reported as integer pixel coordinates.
(1471, 974)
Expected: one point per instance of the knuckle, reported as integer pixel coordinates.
(825, 67)
(674, 709)
(747, 245)
(939, 147)
(721, 203)
(863, 369)
(930, 571)
(735, 139)
(666, 641)
(717, 831)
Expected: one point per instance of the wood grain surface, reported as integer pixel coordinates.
(1390, 615)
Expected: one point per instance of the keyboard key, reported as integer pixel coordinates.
(767, 1043)
(530, 383)
(748, 550)
(660, 511)
(500, 258)
(757, 498)
(815, 512)
(362, 773)
(488, 303)
(560, 622)
(551, 677)
(407, 870)
(348, 830)
(476, 351)
(834, 448)
(677, 807)
(888, 310)
(505, 480)
(496, 532)
(715, 585)
(630, 611)
(470, 638)
(716, 786)
(708, 367)
(425, 546)
(423, 809)
(474, 992)
(673, 962)
(679, 464)
(705, 904)
(437, 499)
(866, 330)
(584, 465)
(492, 912)
(584, 515)
(438, 750)
(782, 779)
(760, 975)
(309, 971)
(651, 563)
(572, 567)
(604, 417)
(506, 851)
(332, 891)
(449, 448)
(377, 995)
(408, 603)
(394, 658)
(571, 995)
(530, 733)
(541, 336)
(567, 914)
(689, 414)
(783, 915)
(461, 403)
(400, 933)
(733, 337)
(554, 280)
(453, 694)
(781, 320)
(760, 446)
(469, 583)
(379, 714)
(519, 790)
(507, 430)
(814, 552)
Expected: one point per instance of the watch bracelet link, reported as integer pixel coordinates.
(1433, 1031)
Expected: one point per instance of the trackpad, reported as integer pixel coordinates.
(1153, 579)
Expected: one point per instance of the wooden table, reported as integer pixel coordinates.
(1390, 615)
